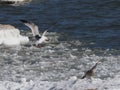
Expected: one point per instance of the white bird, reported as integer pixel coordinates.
(10, 36)
(35, 31)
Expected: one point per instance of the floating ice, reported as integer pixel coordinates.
(14, 2)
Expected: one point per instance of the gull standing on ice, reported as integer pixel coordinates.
(35, 31)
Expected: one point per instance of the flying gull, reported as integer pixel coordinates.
(35, 31)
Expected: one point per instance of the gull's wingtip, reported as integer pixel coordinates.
(24, 21)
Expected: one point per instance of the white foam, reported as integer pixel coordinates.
(11, 37)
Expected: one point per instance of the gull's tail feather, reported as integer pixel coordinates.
(32, 26)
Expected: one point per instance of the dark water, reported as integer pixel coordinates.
(94, 23)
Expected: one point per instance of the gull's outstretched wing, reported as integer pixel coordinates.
(32, 26)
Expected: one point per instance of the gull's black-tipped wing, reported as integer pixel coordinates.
(32, 26)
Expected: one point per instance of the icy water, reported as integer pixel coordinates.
(82, 32)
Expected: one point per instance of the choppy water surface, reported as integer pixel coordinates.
(85, 31)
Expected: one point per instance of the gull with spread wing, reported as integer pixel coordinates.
(35, 31)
